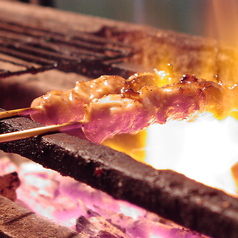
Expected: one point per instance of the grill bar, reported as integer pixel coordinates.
(32, 70)
(49, 49)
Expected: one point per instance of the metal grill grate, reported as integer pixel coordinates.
(33, 50)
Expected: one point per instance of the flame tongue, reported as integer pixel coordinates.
(203, 150)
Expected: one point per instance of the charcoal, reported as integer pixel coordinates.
(98, 228)
(165, 192)
(16, 221)
(8, 185)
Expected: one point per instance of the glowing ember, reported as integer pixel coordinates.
(85, 209)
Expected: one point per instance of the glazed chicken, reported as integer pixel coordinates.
(112, 105)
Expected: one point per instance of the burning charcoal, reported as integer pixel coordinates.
(126, 179)
(98, 227)
(8, 185)
(64, 197)
(184, 233)
(16, 221)
(83, 226)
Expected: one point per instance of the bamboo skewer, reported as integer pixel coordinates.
(17, 135)
(39, 131)
(19, 112)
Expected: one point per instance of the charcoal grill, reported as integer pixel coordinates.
(50, 44)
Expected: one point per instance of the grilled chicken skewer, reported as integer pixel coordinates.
(58, 107)
(133, 111)
(114, 105)
(83, 93)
